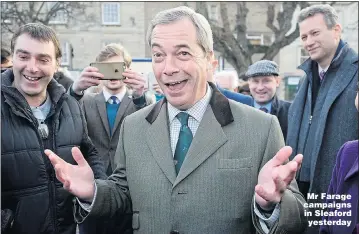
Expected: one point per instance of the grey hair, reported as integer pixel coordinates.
(232, 75)
(204, 31)
(328, 12)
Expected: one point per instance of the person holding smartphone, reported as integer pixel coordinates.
(104, 113)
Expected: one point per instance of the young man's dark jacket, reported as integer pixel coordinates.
(29, 186)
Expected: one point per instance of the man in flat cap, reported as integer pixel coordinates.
(263, 80)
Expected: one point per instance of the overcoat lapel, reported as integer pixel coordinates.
(208, 139)
(121, 111)
(158, 140)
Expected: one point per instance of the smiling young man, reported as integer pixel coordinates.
(263, 81)
(322, 118)
(36, 114)
(195, 162)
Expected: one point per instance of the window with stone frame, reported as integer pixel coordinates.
(60, 17)
(111, 13)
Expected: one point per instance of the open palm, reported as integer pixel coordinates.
(77, 179)
(275, 176)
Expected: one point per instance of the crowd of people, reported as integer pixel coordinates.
(198, 154)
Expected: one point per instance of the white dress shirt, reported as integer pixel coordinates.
(119, 95)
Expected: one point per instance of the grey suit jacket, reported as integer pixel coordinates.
(213, 192)
(94, 106)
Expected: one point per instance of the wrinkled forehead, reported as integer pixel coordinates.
(175, 34)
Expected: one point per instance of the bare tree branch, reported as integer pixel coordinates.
(234, 45)
(15, 14)
(39, 10)
(270, 18)
(241, 25)
(284, 19)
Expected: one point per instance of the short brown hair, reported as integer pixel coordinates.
(39, 32)
(112, 50)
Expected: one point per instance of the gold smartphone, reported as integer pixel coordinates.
(110, 71)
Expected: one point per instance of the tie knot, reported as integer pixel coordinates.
(264, 109)
(113, 100)
(183, 118)
(321, 74)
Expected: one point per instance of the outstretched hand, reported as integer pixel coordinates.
(274, 178)
(77, 179)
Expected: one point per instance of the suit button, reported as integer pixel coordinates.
(174, 232)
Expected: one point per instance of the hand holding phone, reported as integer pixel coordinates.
(136, 81)
(89, 77)
(110, 70)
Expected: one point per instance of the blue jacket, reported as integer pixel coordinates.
(238, 97)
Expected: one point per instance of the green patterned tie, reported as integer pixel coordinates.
(184, 140)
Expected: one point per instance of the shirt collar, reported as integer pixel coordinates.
(322, 69)
(44, 108)
(119, 95)
(268, 106)
(196, 111)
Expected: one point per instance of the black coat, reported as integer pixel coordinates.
(280, 109)
(29, 185)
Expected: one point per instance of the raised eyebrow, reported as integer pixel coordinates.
(182, 46)
(156, 45)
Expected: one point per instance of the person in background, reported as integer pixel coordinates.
(158, 91)
(322, 118)
(62, 77)
(6, 61)
(345, 181)
(244, 88)
(244, 99)
(263, 81)
(227, 80)
(104, 113)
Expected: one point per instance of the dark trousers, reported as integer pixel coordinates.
(303, 188)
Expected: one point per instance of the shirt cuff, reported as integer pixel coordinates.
(72, 93)
(85, 205)
(266, 222)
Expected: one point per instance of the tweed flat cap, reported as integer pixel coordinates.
(262, 68)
